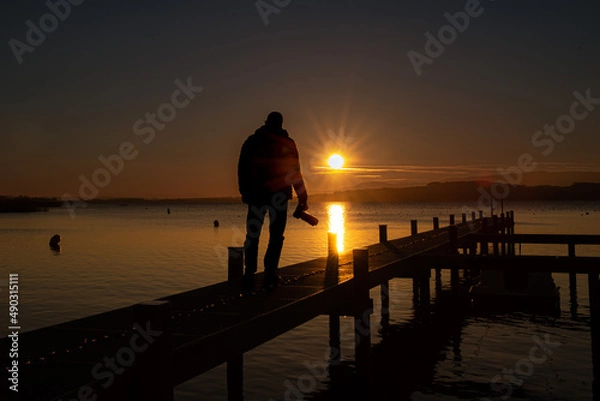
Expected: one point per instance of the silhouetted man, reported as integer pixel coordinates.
(268, 168)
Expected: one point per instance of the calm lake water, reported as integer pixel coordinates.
(114, 256)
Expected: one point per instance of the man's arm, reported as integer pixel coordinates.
(296, 178)
(243, 171)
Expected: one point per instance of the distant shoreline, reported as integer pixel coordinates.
(459, 191)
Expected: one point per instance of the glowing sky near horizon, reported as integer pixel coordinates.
(337, 70)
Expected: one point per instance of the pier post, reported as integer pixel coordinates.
(453, 249)
(332, 267)
(451, 219)
(335, 343)
(464, 217)
(481, 215)
(436, 226)
(385, 304)
(235, 268)
(472, 216)
(383, 237)
(572, 278)
(235, 362)
(332, 251)
(495, 228)
(484, 230)
(235, 378)
(454, 279)
(362, 320)
(495, 248)
(503, 233)
(511, 225)
(413, 227)
(483, 245)
(453, 239)
(416, 285)
(424, 289)
(594, 296)
(154, 381)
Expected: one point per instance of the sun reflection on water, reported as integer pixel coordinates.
(337, 221)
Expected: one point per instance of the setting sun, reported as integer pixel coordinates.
(335, 161)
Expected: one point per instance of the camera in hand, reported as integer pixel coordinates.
(299, 213)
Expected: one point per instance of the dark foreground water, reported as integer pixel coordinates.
(115, 256)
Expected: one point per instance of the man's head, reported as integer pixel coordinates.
(274, 120)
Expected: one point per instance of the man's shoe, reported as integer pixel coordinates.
(271, 280)
(248, 282)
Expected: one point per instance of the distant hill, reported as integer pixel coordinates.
(452, 191)
(25, 204)
(463, 191)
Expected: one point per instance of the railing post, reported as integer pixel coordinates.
(413, 227)
(362, 320)
(383, 237)
(481, 215)
(464, 217)
(235, 268)
(154, 375)
(451, 219)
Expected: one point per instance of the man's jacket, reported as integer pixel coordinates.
(269, 163)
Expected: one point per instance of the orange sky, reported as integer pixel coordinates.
(340, 75)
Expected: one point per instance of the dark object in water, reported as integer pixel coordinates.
(301, 214)
(168, 211)
(216, 223)
(54, 242)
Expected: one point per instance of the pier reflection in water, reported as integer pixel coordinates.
(459, 352)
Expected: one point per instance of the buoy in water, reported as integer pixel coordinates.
(216, 223)
(54, 242)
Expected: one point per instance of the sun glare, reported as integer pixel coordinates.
(336, 162)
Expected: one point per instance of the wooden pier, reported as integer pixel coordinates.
(162, 343)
